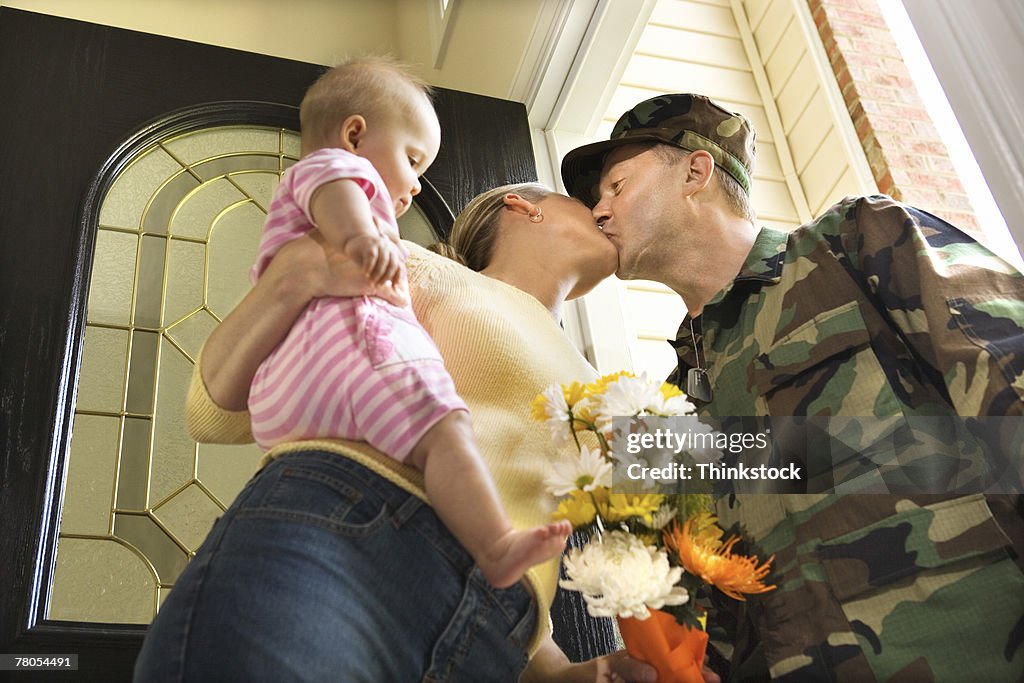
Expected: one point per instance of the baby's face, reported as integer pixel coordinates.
(402, 149)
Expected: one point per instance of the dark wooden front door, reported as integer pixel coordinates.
(73, 93)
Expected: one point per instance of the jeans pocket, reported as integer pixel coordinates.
(521, 634)
(487, 636)
(316, 495)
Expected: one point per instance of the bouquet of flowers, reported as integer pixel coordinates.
(648, 554)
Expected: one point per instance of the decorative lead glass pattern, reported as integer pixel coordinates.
(178, 231)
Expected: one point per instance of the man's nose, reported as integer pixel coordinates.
(601, 213)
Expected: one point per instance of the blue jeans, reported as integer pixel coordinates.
(321, 570)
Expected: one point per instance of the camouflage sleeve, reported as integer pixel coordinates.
(956, 304)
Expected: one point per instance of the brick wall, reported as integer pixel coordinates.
(907, 157)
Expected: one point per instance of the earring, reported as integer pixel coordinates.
(537, 217)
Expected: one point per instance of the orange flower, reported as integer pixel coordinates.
(714, 562)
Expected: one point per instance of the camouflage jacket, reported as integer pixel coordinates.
(874, 309)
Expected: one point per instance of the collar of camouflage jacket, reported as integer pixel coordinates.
(763, 263)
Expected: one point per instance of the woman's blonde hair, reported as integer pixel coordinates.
(471, 241)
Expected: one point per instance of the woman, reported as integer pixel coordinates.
(357, 578)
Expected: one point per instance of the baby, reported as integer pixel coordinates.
(361, 368)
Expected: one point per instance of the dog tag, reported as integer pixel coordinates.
(698, 385)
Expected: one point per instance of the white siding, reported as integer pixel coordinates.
(693, 46)
(753, 57)
(828, 162)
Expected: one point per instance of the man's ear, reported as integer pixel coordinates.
(351, 132)
(700, 166)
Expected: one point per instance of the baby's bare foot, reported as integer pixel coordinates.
(517, 551)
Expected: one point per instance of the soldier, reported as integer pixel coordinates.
(875, 309)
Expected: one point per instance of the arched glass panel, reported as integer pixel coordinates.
(177, 232)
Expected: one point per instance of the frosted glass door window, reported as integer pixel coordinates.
(178, 231)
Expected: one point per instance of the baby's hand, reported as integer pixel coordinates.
(380, 258)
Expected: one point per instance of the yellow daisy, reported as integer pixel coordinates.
(574, 393)
(539, 407)
(599, 385)
(670, 390)
(578, 508)
(705, 530)
(624, 505)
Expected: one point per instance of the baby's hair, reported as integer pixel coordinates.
(373, 86)
(471, 241)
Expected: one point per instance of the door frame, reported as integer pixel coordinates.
(82, 91)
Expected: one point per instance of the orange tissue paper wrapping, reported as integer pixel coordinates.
(675, 650)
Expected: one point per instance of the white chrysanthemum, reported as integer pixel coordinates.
(557, 415)
(621, 577)
(586, 472)
(625, 397)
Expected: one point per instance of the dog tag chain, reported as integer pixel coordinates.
(698, 385)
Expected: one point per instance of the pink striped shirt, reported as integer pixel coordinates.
(353, 368)
(289, 215)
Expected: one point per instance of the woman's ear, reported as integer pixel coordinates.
(351, 133)
(519, 205)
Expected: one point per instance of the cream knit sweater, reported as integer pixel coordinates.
(502, 348)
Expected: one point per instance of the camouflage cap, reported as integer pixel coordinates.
(691, 122)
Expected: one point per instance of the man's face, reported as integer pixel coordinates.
(638, 195)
